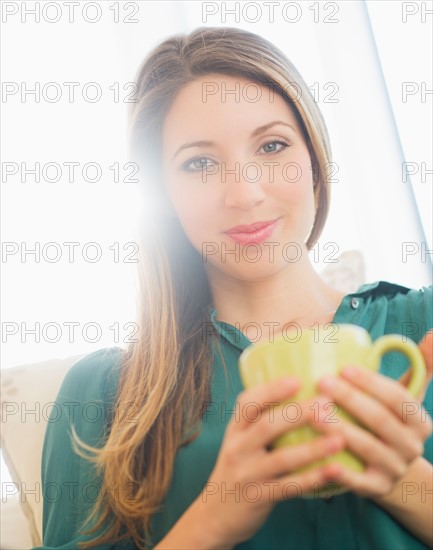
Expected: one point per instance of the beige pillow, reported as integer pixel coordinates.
(347, 274)
(26, 394)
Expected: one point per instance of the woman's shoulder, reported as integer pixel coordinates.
(408, 310)
(94, 375)
(86, 396)
(393, 290)
(399, 296)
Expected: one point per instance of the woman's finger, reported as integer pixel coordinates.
(369, 483)
(297, 484)
(381, 404)
(251, 402)
(274, 422)
(287, 459)
(371, 450)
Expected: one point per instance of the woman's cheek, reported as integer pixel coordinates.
(198, 220)
(293, 193)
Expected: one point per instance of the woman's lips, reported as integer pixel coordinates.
(258, 235)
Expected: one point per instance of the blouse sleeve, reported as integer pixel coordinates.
(70, 486)
(426, 311)
(415, 319)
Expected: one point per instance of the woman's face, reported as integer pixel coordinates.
(227, 162)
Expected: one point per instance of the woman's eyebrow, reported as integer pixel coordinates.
(255, 133)
(265, 127)
(193, 144)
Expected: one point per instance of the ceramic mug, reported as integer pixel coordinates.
(310, 358)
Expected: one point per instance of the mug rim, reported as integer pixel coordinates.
(253, 348)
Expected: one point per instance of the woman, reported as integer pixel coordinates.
(227, 134)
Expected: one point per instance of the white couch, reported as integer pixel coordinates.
(26, 388)
(26, 394)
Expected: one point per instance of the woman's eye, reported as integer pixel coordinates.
(272, 146)
(197, 165)
(200, 164)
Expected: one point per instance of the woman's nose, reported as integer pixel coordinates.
(242, 184)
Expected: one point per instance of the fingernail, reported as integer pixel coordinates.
(289, 382)
(333, 444)
(327, 383)
(322, 401)
(350, 372)
(332, 470)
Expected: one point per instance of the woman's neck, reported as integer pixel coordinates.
(294, 295)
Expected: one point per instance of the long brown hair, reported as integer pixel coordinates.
(167, 374)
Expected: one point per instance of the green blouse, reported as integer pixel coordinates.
(342, 522)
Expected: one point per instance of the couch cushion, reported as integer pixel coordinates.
(14, 529)
(27, 396)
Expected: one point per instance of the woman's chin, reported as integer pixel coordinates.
(250, 271)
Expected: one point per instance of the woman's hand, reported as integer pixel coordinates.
(248, 479)
(398, 425)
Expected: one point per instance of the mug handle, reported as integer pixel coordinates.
(393, 342)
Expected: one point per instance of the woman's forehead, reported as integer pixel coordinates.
(217, 103)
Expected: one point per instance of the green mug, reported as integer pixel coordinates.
(310, 358)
